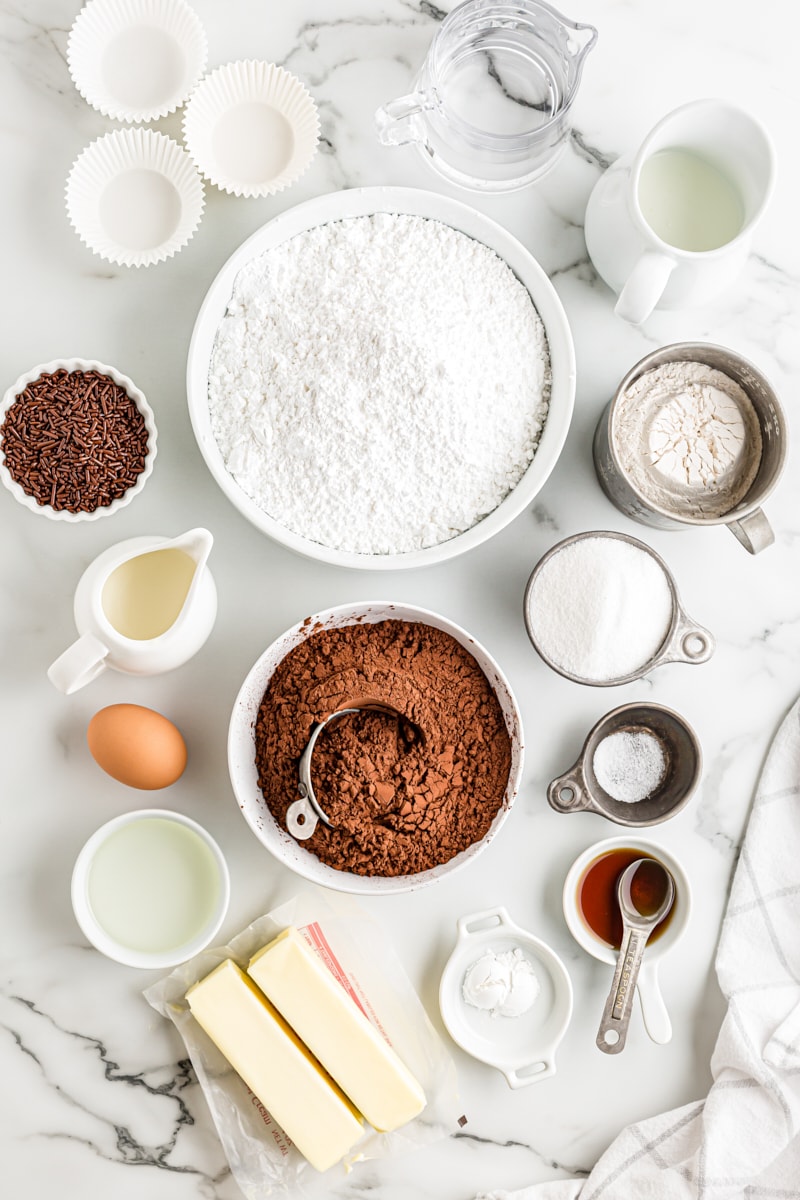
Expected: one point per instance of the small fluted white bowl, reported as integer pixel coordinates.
(138, 397)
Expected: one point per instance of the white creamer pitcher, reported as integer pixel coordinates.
(670, 226)
(144, 606)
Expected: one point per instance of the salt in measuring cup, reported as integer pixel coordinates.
(490, 109)
(579, 790)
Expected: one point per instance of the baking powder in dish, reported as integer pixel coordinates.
(379, 384)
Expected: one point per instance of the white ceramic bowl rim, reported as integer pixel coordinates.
(80, 364)
(97, 935)
(363, 202)
(241, 753)
(577, 927)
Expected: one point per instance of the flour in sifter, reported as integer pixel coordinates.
(379, 384)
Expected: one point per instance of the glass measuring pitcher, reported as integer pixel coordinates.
(490, 107)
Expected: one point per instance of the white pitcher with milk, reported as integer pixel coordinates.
(144, 606)
(671, 225)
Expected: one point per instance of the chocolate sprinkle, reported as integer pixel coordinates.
(74, 440)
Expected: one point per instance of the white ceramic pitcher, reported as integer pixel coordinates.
(142, 607)
(708, 152)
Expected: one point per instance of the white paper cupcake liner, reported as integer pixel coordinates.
(134, 197)
(136, 60)
(251, 127)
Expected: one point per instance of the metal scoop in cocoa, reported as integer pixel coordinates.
(302, 815)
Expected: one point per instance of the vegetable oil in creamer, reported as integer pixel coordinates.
(153, 885)
(143, 596)
(688, 202)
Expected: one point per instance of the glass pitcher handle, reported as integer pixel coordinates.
(395, 121)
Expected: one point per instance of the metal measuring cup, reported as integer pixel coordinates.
(303, 815)
(578, 789)
(685, 640)
(745, 520)
(637, 927)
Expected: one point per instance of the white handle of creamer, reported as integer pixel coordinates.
(654, 1010)
(79, 665)
(644, 287)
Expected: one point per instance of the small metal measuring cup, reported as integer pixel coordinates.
(685, 640)
(578, 790)
(745, 520)
(303, 815)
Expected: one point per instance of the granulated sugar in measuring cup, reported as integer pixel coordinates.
(602, 608)
(490, 108)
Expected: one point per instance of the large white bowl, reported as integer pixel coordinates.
(242, 758)
(359, 202)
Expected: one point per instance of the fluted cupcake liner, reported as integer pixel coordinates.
(136, 60)
(134, 197)
(251, 127)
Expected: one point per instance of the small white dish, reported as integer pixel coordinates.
(654, 1011)
(251, 127)
(79, 364)
(136, 60)
(522, 1048)
(148, 874)
(134, 197)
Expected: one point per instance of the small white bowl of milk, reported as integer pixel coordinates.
(150, 888)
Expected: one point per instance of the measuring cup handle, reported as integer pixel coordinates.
(301, 820)
(753, 531)
(689, 643)
(78, 665)
(613, 1031)
(394, 121)
(568, 793)
(518, 1077)
(644, 287)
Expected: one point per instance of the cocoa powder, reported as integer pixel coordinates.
(404, 792)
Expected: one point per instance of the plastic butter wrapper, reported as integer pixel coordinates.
(355, 948)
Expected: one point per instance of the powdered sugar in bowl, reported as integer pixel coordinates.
(354, 429)
(602, 608)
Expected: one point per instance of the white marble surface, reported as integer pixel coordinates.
(97, 1098)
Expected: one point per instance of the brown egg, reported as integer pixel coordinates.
(137, 746)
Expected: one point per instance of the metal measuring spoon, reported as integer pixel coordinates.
(656, 896)
(302, 815)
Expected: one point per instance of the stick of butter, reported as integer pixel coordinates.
(335, 1029)
(275, 1065)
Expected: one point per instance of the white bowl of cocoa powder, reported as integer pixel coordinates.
(413, 794)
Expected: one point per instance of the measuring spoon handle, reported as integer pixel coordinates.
(616, 1016)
